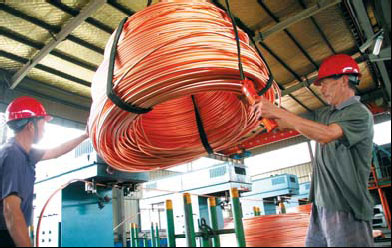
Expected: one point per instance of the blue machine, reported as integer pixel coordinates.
(265, 192)
(82, 214)
(302, 197)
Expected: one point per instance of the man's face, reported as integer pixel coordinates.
(41, 129)
(331, 89)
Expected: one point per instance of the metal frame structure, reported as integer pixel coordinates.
(364, 22)
(380, 184)
(207, 234)
(65, 31)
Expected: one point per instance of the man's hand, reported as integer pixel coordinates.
(16, 224)
(267, 110)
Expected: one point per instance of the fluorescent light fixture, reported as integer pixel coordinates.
(378, 45)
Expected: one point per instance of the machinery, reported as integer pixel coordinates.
(302, 197)
(214, 181)
(80, 215)
(267, 193)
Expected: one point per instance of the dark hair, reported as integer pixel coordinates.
(18, 125)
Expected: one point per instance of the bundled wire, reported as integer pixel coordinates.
(287, 230)
(176, 92)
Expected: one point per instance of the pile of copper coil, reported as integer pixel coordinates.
(286, 230)
(303, 209)
(168, 53)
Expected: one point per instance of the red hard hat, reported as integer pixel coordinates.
(24, 108)
(340, 64)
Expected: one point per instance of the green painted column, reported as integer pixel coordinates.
(171, 234)
(145, 240)
(214, 221)
(257, 211)
(158, 242)
(237, 213)
(133, 232)
(189, 223)
(206, 242)
(153, 239)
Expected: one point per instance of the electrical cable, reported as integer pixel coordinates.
(165, 54)
(125, 221)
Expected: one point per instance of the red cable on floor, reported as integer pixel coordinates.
(166, 54)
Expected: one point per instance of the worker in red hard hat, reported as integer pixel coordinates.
(342, 205)
(26, 117)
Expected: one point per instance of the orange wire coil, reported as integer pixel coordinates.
(167, 53)
(287, 230)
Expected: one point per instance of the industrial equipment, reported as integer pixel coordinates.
(208, 234)
(302, 198)
(81, 215)
(214, 181)
(265, 194)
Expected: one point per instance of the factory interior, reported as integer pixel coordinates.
(167, 91)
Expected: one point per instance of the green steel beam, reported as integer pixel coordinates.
(189, 223)
(153, 239)
(171, 235)
(133, 234)
(158, 239)
(237, 213)
(214, 221)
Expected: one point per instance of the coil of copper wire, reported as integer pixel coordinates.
(166, 54)
(287, 230)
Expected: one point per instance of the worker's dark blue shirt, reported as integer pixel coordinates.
(17, 177)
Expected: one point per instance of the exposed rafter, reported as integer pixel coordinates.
(45, 68)
(320, 6)
(251, 33)
(75, 12)
(37, 45)
(52, 29)
(65, 31)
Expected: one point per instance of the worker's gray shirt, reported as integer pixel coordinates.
(342, 167)
(17, 177)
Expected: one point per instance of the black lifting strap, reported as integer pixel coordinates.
(200, 127)
(109, 90)
(237, 38)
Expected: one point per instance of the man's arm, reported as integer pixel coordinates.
(63, 148)
(16, 224)
(321, 133)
